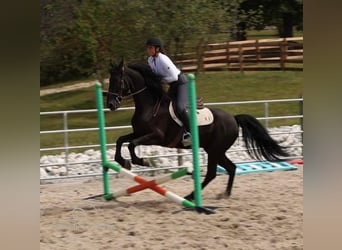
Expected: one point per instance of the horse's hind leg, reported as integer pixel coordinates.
(230, 167)
(211, 174)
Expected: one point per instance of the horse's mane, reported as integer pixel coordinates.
(153, 81)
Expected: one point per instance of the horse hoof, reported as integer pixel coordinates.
(146, 163)
(222, 196)
(189, 197)
(127, 165)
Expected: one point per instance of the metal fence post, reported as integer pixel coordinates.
(266, 114)
(66, 141)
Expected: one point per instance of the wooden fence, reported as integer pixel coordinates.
(251, 55)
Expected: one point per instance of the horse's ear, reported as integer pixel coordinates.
(122, 65)
(111, 65)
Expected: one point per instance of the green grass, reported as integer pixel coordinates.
(270, 33)
(212, 87)
(249, 86)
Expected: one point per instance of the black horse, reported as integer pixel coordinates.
(153, 125)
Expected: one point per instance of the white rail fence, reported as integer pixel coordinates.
(66, 149)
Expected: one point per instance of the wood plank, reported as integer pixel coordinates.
(247, 55)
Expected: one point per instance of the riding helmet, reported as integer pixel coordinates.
(153, 41)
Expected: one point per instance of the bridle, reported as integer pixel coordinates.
(119, 97)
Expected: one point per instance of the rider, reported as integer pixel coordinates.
(162, 65)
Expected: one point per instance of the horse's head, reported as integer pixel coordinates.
(127, 81)
(119, 85)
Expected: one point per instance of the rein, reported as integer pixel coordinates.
(127, 96)
(156, 108)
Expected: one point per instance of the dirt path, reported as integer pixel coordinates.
(80, 85)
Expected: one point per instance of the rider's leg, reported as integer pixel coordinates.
(186, 135)
(184, 117)
(181, 104)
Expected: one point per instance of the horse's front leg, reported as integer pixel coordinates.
(118, 157)
(154, 138)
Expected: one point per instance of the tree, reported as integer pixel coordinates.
(284, 14)
(80, 37)
(58, 46)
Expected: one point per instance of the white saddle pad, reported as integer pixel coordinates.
(204, 116)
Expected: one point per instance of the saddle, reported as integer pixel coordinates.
(204, 115)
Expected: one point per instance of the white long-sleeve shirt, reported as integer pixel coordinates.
(164, 67)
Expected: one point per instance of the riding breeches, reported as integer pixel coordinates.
(178, 92)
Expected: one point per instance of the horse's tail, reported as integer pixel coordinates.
(258, 141)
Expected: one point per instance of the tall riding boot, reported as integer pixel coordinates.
(186, 136)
